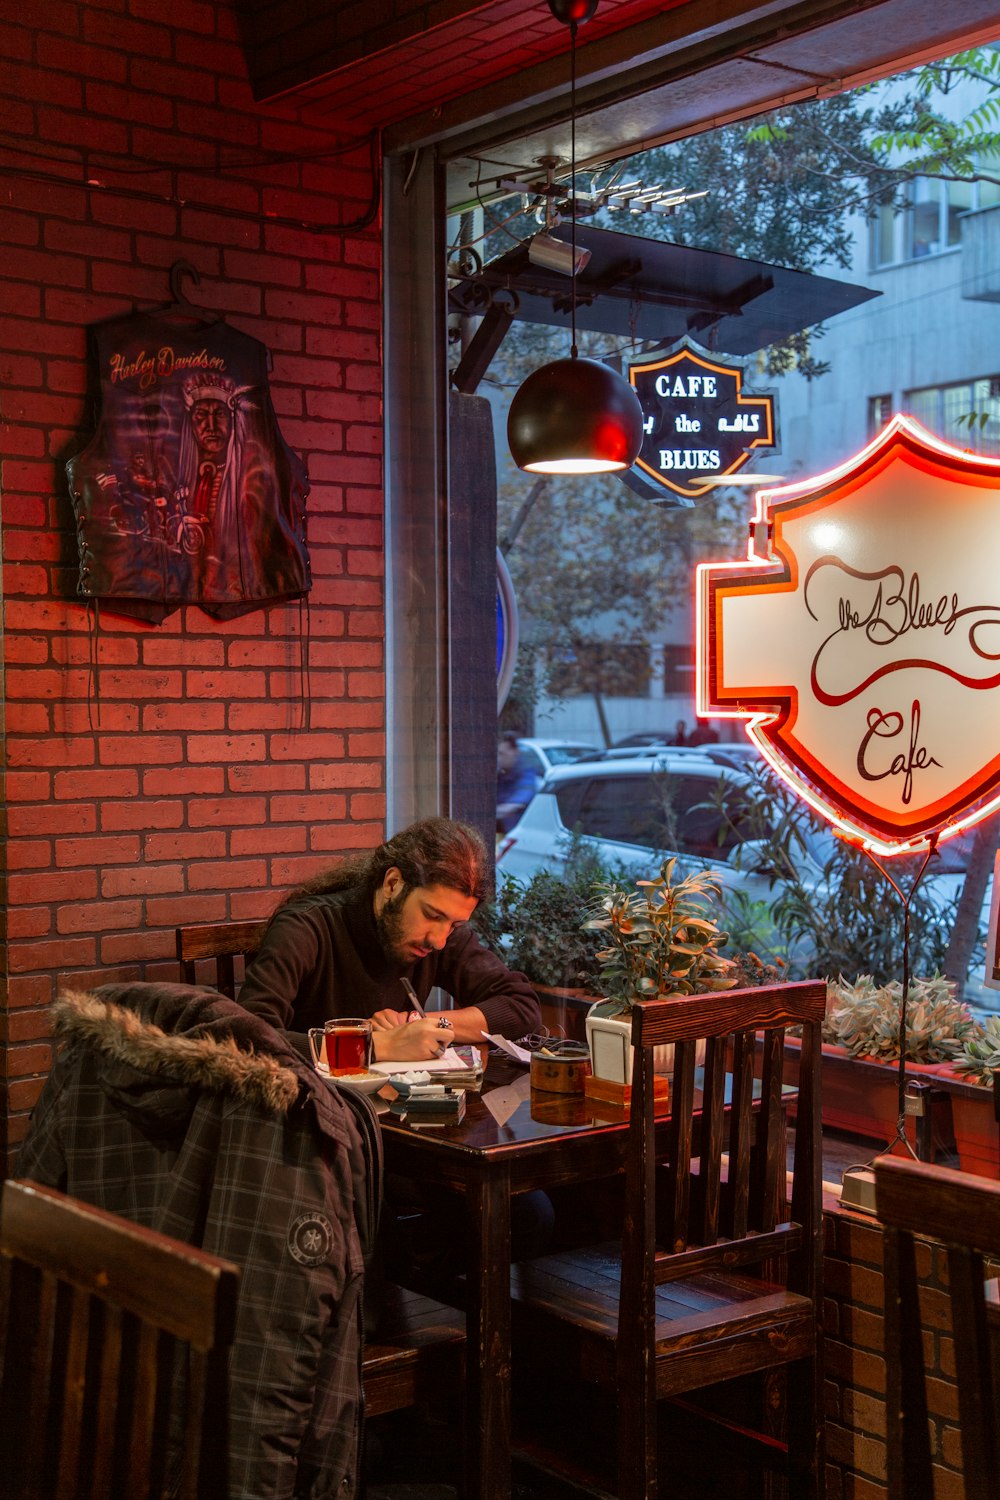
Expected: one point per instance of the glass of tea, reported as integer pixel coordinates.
(343, 1045)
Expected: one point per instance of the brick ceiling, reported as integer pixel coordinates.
(373, 64)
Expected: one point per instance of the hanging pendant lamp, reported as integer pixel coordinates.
(574, 416)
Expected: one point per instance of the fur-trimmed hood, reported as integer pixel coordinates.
(164, 1036)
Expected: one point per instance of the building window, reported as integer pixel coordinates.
(967, 413)
(678, 671)
(614, 668)
(927, 219)
(879, 412)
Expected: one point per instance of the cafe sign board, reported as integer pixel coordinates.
(860, 640)
(696, 420)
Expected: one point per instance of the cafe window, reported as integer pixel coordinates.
(966, 413)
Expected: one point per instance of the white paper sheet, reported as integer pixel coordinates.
(448, 1062)
(519, 1054)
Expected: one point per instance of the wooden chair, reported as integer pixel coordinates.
(739, 1278)
(221, 941)
(963, 1212)
(97, 1314)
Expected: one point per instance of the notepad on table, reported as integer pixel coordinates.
(458, 1067)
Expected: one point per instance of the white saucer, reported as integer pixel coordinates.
(366, 1083)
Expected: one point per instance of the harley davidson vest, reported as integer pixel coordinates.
(187, 493)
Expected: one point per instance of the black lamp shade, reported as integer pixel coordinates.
(575, 416)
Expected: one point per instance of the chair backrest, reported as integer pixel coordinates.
(114, 1337)
(724, 1201)
(963, 1212)
(221, 941)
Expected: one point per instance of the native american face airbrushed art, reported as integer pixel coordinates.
(187, 493)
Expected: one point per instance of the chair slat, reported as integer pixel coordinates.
(712, 1139)
(73, 1382)
(728, 1253)
(740, 1125)
(148, 1381)
(680, 1134)
(966, 1283)
(770, 1148)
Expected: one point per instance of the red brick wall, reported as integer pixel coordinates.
(199, 798)
(855, 1363)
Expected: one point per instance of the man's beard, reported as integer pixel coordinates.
(389, 926)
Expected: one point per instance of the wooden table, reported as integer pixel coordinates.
(512, 1140)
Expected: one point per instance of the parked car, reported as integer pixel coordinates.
(633, 813)
(543, 755)
(735, 753)
(740, 754)
(646, 738)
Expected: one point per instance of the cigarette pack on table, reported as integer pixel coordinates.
(429, 1104)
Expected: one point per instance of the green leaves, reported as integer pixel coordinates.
(535, 925)
(661, 936)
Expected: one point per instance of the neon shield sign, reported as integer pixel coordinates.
(860, 640)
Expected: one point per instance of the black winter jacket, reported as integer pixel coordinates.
(173, 1107)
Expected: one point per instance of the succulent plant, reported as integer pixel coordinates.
(980, 1054)
(661, 937)
(864, 1018)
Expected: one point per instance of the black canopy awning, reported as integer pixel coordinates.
(657, 292)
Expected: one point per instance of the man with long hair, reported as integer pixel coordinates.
(342, 944)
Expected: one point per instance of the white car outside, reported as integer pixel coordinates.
(633, 813)
(619, 808)
(544, 755)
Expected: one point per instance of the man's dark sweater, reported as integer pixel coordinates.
(321, 957)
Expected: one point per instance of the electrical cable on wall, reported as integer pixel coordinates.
(286, 221)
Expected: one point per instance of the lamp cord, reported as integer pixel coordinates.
(905, 899)
(572, 181)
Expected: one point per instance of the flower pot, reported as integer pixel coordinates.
(609, 1037)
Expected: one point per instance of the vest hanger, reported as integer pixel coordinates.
(180, 307)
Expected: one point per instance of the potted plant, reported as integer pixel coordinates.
(660, 939)
(861, 1040)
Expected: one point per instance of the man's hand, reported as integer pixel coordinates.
(384, 1020)
(467, 1022)
(422, 1037)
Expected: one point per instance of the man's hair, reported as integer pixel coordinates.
(509, 738)
(435, 851)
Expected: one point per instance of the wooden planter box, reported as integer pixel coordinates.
(860, 1096)
(977, 1134)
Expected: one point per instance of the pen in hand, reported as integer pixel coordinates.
(443, 1023)
(411, 995)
